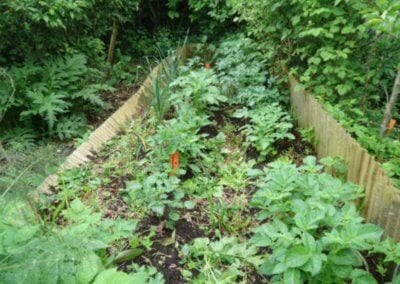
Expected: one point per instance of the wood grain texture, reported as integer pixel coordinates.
(381, 204)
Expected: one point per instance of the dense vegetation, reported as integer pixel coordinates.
(224, 215)
(57, 84)
(248, 201)
(346, 52)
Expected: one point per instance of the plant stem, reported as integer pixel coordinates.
(20, 175)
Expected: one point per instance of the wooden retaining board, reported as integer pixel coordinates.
(381, 204)
(136, 106)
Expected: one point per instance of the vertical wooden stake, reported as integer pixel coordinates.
(174, 160)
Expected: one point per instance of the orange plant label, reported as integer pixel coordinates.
(174, 160)
(392, 123)
(208, 65)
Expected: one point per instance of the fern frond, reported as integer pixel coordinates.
(47, 106)
(71, 127)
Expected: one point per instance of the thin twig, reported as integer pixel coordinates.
(20, 175)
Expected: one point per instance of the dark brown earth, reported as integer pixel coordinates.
(163, 254)
(166, 258)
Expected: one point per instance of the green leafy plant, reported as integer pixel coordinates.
(316, 232)
(335, 165)
(179, 134)
(29, 251)
(198, 88)
(242, 72)
(307, 135)
(52, 91)
(268, 124)
(221, 261)
(141, 275)
(157, 193)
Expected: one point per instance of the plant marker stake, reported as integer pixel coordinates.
(391, 125)
(174, 159)
(208, 65)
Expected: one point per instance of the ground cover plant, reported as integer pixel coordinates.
(247, 203)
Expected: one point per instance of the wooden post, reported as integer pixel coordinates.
(390, 105)
(4, 153)
(113, 40)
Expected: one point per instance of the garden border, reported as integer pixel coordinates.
(382, 199)
(134, 107)
(381, 204)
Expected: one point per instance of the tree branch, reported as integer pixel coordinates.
(390, 105)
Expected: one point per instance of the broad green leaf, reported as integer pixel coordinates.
(90, 265)
(359, 276)
(112, 276)
(344, 257)
(292, 276)
(297, 256)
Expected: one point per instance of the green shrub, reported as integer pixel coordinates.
(316, 232)
(267, 125)
(52, 94)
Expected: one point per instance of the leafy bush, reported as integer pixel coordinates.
(345, 52)
(316, 232)
(322, 40)
(268, 124)
(49, 96)
(30, 253)
(198, 88)
(221, 261)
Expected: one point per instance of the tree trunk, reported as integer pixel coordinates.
(154, 16)
(113, 40)
(4, 153)
(390, 105)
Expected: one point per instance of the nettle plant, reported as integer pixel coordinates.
(268, 124)
(316, 233)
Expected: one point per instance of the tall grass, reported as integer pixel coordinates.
(169, 70)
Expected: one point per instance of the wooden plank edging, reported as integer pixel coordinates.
(382, 199)
(133, 108)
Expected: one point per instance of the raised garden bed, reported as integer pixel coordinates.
(246, 201)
